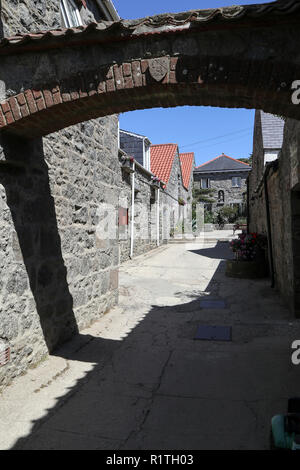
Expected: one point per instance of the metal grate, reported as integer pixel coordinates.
(4, 356)
(214, 333)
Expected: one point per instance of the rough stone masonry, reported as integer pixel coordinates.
(56, 276)
(55, 279)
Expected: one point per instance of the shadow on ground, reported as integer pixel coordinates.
(159, 388)
(215, 252)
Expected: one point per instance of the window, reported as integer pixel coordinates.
(236, 181)
(123, 216)
(221, 196)
(70, 13)
(205, 183)
(146, 162)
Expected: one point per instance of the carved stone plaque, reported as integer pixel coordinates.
(159, 68)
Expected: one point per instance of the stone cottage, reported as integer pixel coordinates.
(58, 272)
(274, 200)
(267, 144)
(166, 165)
(270, 207)
(142, 197)
(177, 175)
(158, 193)
(227, 178)
(187, 164)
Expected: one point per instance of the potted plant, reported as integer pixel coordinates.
(250, 260)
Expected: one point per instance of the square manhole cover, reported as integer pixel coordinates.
(214, 333)
(212, 304)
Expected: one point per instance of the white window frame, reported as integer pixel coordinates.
(68, 10)
(146, 156)
(236, 182)
(207, 183)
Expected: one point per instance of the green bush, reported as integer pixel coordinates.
(228, 214)
(241, 221)
(219, 219)
(208, 217)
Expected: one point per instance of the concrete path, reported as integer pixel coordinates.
(206, 237)
(138, 379)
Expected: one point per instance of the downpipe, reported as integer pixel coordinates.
(157, 217)
(132, 209)
(269, 229)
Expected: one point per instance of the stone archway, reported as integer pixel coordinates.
(234, 57)
(244, 57)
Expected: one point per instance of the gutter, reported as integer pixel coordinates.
(221, 171)
(141, 168)
(157, 215)
(248, 204)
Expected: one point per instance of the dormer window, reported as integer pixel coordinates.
(70, 14)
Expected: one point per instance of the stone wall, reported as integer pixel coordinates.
(145, 208)
(145, 217)
(57, 275)
(21, 16)
(283, 188)
(223, 182)
(258, 151)
(188, 193)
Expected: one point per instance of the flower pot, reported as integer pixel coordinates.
(247, 269)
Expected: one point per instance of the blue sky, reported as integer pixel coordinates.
(206, 131)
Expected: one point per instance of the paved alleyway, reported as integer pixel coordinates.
(138, 379)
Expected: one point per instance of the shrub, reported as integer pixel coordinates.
(229, 214)
(241, 221)
(208, 217)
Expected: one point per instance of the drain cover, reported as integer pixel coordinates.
(212, 304)
(214, 333)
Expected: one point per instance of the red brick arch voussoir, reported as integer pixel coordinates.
(147, 83)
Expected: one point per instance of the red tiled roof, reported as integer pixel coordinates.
(162, 157)
(186, 163)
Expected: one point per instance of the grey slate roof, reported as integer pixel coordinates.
(272, 130)
(222, 163)
(133, 145)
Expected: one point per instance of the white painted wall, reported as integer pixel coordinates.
(270, 155)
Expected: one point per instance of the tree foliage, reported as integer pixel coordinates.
(203, 195)
(247, 160)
